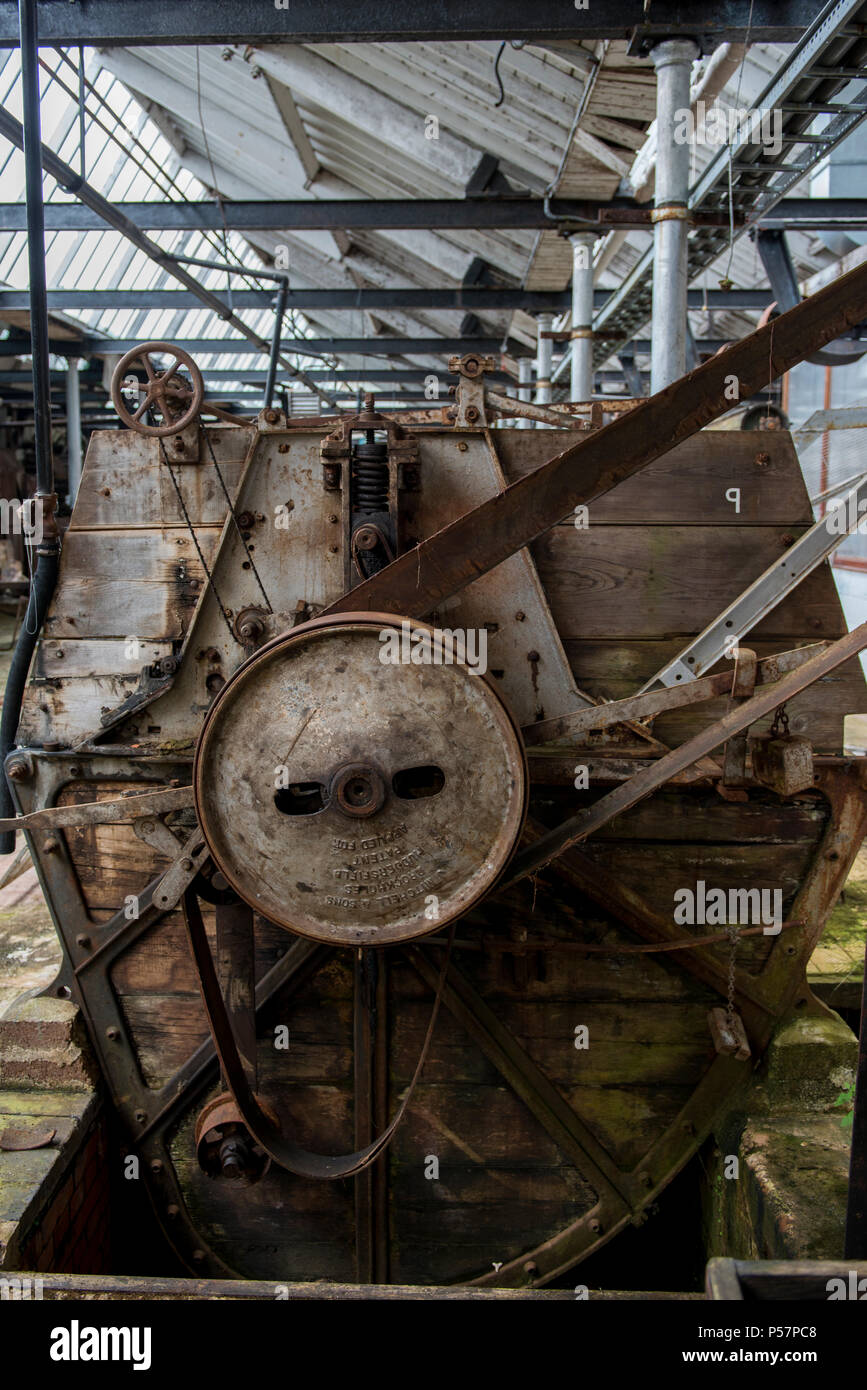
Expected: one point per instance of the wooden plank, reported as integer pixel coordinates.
(125, 484)
(660, 581)
(687, 486)
(69, 659)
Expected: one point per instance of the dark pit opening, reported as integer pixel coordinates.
(414, 783)
(300, 799)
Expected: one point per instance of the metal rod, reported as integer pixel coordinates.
(73, 429)
(525, 392)
(36, 248)
(257, 274)
(280, 314)
(81, 113)
(544, 362)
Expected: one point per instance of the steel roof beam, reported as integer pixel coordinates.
(359, 347)
(476, 300)
(426, 214)
(130, 22)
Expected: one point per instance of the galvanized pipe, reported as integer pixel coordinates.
(73, 429)
(279, 315)
(673, 61)
(36, 247)
(47, 549)
(525, 382)
(582, 316)
(544, 361)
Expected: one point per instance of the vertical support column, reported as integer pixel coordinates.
(73, 428)
(279, 315)
(582, 316)
(544, 360)
(36, 249)
(48, 547)
(525, 383)
(673, 60)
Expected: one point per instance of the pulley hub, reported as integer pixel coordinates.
(356, 799)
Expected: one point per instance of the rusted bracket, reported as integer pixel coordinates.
(125, 808)
(178, 877)
(661, 701)
(509, 407)
(743, 687)
(577, 828)
(470, 394)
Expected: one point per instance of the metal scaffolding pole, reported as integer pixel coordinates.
(673, 60)
(582, 316)
(46, 543)
(73, 428)
(544, 362)
(525, 382)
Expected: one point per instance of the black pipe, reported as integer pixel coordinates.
(45, 578)
(41, 591)
(280, 314)
(36, 247)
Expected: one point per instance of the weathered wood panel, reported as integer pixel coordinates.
(661, 581)
(687, 486)
(125, 484)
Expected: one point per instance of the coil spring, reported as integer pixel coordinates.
(370, 476)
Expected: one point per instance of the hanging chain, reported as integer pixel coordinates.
(733, 934)
(235, 520)
(780, 726)
(212, 586)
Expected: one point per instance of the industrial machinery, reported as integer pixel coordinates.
(364, 761)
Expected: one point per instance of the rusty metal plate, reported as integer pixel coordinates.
(355, 800)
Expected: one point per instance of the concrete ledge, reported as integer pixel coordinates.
(30, 1180)
(777, 1170)
(43, 1045)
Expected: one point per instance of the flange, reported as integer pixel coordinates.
(355, 798)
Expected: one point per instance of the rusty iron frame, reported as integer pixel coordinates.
(411, 586)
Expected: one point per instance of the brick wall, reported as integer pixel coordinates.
(54, 1199)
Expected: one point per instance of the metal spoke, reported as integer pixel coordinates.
(528, 1081)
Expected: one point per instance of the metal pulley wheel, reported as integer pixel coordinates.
(168, 394)
(353, 800)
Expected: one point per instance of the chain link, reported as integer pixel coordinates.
(733, 934)
(212, 586)
(235, 520)
(780, 725)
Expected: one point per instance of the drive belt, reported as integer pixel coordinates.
(262, 1127)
